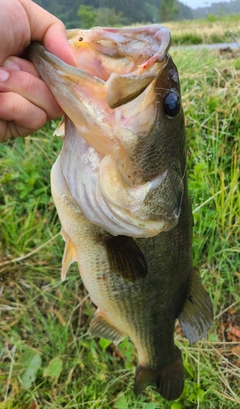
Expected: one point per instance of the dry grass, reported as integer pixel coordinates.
(211, 30)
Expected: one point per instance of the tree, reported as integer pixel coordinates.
(168, 10)
(87, 15)
(107, 17)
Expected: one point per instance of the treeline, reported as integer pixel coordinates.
(218, 9)
(90, 13)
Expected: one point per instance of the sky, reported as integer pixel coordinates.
(200, 3)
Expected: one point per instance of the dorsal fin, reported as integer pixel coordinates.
(197, 315)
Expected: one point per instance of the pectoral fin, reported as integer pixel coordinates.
(99, 327)
(60, 131)
(69, 255)
(197, 315)
(126, 258)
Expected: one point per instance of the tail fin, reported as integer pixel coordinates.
(168, 379)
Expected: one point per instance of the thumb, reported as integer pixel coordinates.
(49, 30)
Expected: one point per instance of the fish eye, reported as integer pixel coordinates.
(172, 105)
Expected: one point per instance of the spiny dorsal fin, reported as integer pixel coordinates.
(99, 327)
(197, 315)
(126, 258)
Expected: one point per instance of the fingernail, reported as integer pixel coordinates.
(11, 64)
(4, 75)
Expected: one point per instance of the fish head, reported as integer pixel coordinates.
(124, 147)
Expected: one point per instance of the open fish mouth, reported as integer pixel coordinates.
(119, 165)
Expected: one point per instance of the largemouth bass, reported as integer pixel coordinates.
(120, 188)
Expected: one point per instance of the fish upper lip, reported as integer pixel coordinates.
(156, 49)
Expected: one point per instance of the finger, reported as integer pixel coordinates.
(56, 44)
(49, 30)
(31, 88)
(20, 64)
(19, 116)
(14, 29)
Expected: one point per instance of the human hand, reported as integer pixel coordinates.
(26, 103)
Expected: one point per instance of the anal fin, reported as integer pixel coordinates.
(197, 315)
(100, 327)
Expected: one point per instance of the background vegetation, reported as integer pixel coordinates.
(223, 26)
(211, 30)
(89, 13)
(47, 359)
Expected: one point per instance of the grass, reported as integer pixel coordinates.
(213, 29)
(47, 359)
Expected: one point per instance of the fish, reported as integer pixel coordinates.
(120, 188)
